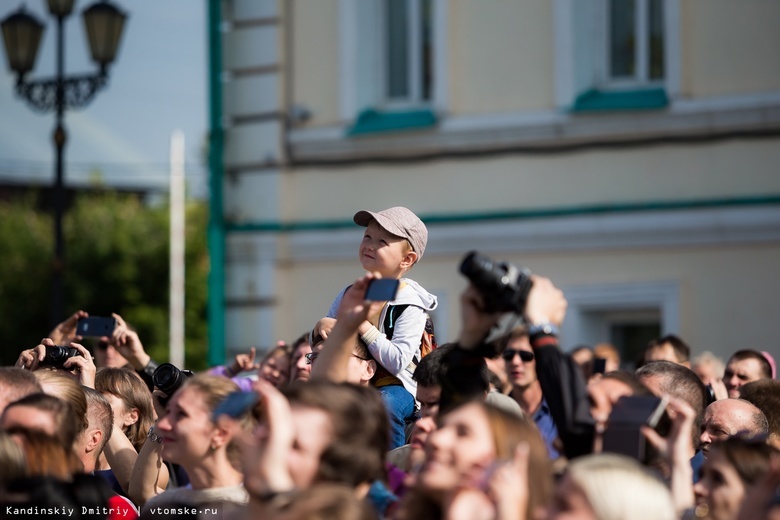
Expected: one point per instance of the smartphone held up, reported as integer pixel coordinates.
(382, 289)
(95, 327)
(236, 404)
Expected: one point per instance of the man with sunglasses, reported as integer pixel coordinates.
(526, 390)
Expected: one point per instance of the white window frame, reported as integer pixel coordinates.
(581, 47)
(641, 52)
(414, 58)
(363, 60)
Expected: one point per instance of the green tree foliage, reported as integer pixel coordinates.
(116, 258)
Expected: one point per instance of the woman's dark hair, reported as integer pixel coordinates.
(360, 429)
(749, 457)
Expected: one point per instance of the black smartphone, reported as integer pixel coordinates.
(382, 289)
(599, 365)
(236, 404)
(95, 327)
(623, 433)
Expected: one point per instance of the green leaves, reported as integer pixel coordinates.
(116, 260)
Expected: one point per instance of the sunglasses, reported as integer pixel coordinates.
(311, 356)
(525, 355)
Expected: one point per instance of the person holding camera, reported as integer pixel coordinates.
(579, 412)
(120, 347)
(73, 360)
(393, 242)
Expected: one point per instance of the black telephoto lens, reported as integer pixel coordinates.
(168, 378)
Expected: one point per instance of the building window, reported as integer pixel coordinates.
(408, 46)
(635, 42)
(624, 314)
(616, 55)
(392, 64)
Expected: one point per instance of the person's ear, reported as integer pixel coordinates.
(131, 417)
(370, 368)
(409, 259)
(93, 439)
(222, 435)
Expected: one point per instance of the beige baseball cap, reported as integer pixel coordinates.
(399, 221)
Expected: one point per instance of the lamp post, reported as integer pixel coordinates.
(22, 35)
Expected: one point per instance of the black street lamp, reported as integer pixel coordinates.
(22, 35)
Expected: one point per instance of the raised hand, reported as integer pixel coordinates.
(65, 332)
(127, 343)
(546, 302)
(244, 362)
(30, 359)
(84, 364)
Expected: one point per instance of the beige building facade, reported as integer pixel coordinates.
(628, 149)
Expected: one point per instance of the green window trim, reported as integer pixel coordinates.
(372, 121)
(604, 101)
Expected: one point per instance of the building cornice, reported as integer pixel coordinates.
(545, 131)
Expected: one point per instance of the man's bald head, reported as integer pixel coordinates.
(729, 418)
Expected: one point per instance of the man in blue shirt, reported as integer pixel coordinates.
(526, 390)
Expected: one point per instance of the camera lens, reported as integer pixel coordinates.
(167, 377)
(504, 287)
(57, 355)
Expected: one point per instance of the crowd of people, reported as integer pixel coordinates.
(364, 417)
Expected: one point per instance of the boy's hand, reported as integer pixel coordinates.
(323, 328)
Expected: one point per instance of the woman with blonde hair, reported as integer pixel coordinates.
(187, 435)
(64, 387)
(611, 487)
(478, 464)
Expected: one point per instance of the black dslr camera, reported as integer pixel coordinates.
(168, 378)
(503, 286)
(56, 356)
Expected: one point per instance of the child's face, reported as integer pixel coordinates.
(380, 251)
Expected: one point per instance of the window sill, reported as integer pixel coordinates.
(600, 101)
(372, 121)
(526, 132)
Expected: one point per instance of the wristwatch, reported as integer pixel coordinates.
(153, 436)
(544, 328)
